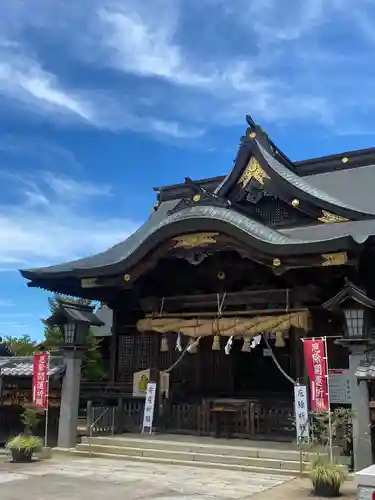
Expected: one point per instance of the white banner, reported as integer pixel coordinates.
(148, 415)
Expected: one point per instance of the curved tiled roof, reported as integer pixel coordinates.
(303, 185)
(22, 366)
(161, 226)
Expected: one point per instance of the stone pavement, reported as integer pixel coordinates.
(66, 478)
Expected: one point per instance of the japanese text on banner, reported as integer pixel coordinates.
(301, 413)
(317, 371)
(148, 415)
(40, 380)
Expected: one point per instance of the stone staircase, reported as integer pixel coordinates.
(200, 453)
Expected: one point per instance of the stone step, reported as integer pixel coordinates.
(197, 448)
(188, 456)
(209, 465)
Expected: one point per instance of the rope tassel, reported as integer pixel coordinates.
(216, 343)
(246, 344)
(279, 342)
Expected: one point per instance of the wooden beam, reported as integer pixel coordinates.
(247, 312)
(306, 295)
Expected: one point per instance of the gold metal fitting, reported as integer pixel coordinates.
(345, 159)
(196, 198)
(127, 277)
(295, 203)
(276, 262)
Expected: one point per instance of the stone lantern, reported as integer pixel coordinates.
(358, 311)
(74, 321)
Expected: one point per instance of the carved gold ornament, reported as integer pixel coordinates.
(253, 171)
(89, 283)
(194, 240)
(334, 259)
(330, 218)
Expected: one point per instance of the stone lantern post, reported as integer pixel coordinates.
(75, 321)
(357, 310)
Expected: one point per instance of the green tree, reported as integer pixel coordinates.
(92, 363)
(21, 346)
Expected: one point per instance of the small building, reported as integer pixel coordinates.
(224, 260)
(16, 374)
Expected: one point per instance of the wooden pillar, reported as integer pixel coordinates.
(297, 349)
(113, 349)
(297, 354)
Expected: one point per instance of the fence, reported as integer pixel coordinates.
(249, 419)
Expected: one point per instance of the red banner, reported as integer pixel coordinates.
(40, 380)
(317, 372)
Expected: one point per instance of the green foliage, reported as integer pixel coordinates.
(25, 442)
(21, 346)
(92, 364)
(30, 418)
(325, 471)
(341, 425)
(52, 334)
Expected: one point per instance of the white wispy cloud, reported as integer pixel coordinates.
(24, 79)
(6, 303)
(210, 59)
(53, 220)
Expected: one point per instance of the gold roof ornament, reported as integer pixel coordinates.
(295, 203)
(334, 259)
(330, 218)
(253, 171)
(194, 240)
(344, 159)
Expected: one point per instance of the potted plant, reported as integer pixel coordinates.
(327, 477)
(26, 444)
(23, 447)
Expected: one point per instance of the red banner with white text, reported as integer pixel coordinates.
(40, 380)
(317, 372)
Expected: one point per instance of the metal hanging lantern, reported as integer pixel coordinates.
(357, 309)
(356, 320)
(74, 321)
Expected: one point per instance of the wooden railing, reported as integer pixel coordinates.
(250, 420)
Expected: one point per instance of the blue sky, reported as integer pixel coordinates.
(103, 99)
